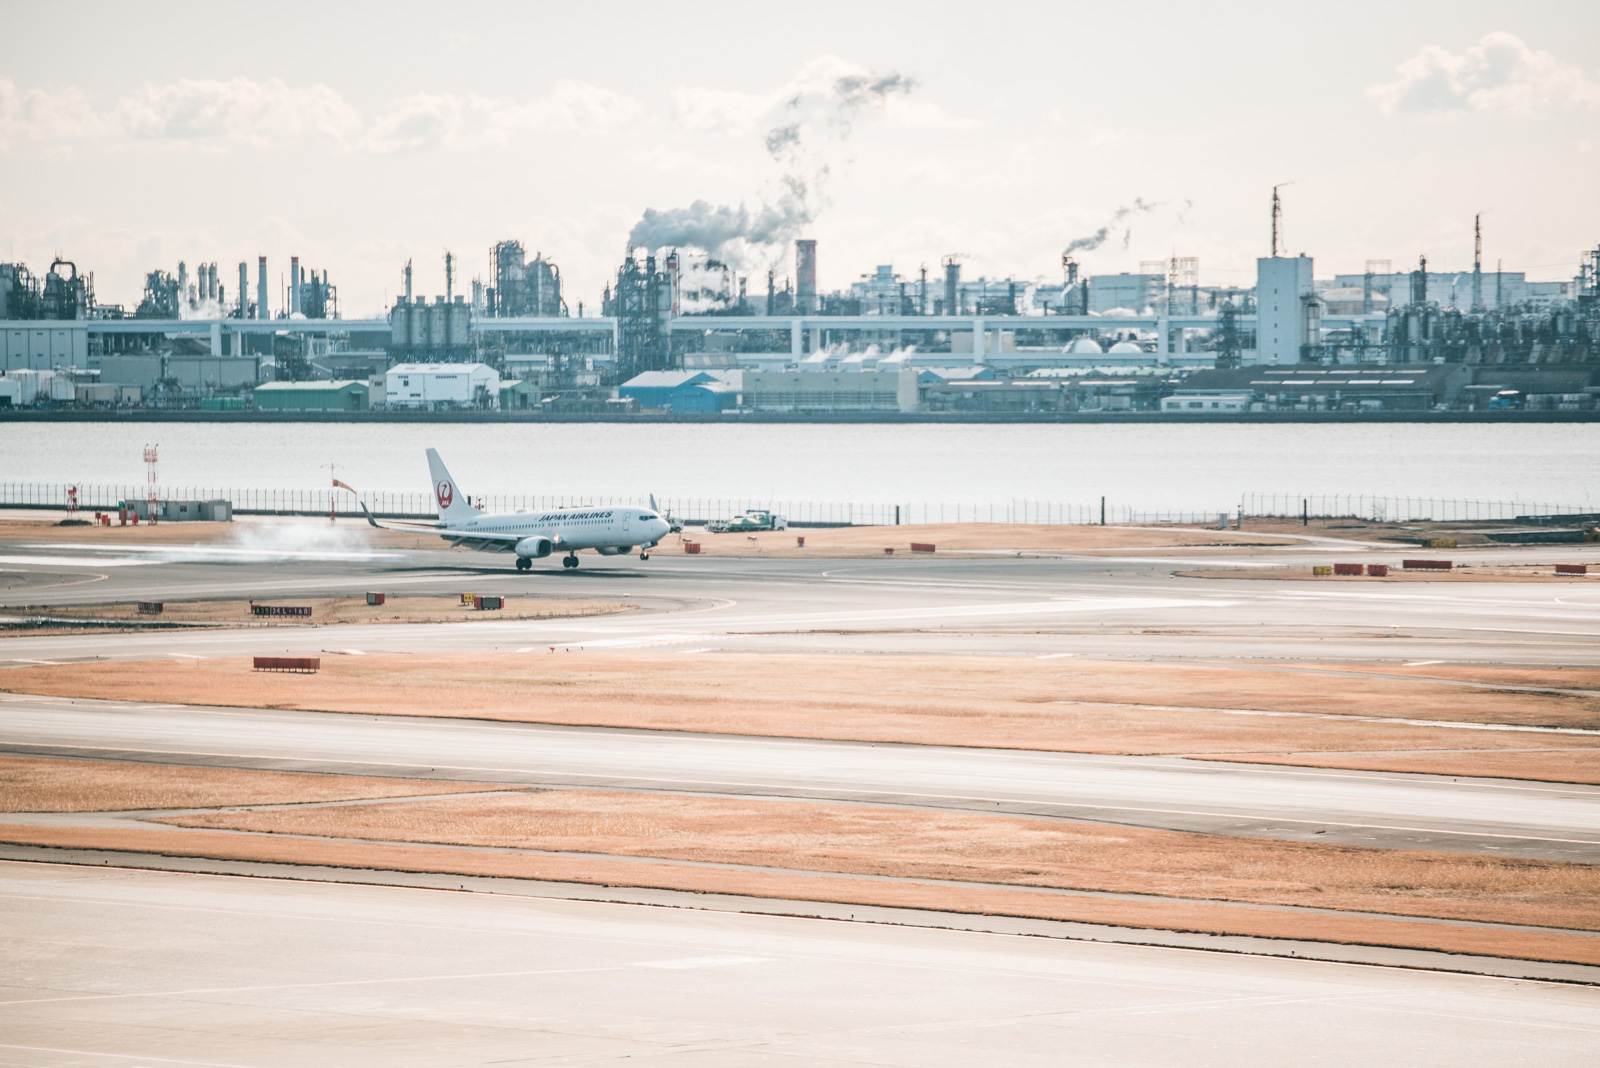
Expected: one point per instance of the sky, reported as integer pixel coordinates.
(358, 136)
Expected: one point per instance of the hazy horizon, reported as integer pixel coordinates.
(357, 137)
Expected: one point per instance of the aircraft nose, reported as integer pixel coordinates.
(661, 528)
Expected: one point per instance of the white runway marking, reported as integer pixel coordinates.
(73, 561)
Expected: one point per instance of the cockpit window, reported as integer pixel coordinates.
(644, 519)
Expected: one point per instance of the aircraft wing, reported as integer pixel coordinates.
(456, 535)
(393, 526)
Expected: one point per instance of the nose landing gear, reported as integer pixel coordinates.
(644, 555)
(570, 560)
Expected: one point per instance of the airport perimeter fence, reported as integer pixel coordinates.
(695, 510)
(1403, 509)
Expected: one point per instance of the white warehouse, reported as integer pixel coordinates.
(442, 385)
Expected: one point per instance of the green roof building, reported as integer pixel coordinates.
(347, 396)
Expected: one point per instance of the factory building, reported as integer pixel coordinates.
(1455, 289)
(1415, 387)
(816, 391)
(311, 397)
(1288, 313)
(698, 392)
(523, 288)
(43, 345)
(440, 386)
(1134, 292)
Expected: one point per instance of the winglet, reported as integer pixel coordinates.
(367, 512)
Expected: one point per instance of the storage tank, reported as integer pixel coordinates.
(459, 333)
(400, 319)
(436, 323)
(28, 382)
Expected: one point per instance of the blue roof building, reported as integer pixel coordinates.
(683, 391)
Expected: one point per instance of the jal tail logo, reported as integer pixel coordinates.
(446, 493)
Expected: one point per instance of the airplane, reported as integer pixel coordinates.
(535, 535)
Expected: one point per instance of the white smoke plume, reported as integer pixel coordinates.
(813, 115)
(1118, 225)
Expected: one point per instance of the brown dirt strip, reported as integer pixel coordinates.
(1534, 573)
(820, 541)
(42, 784)
(954, 537)
(966, 847)
(969, 701)
(517, 605)
(1561, 681)
(242, 531)
(1551, 946)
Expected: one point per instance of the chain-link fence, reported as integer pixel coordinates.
(420, 505)
(1402, 509)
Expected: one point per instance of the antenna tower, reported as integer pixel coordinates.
(1477, 263)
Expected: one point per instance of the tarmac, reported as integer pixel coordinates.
(113, 966)
(117, 967)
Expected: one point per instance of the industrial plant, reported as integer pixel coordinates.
(680, 332)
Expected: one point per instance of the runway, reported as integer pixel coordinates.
(1097, 605)
(1540, 820)
(114, 967)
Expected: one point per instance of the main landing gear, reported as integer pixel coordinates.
(570, 560)
(523, 563)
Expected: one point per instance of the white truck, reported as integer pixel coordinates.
(748, 522)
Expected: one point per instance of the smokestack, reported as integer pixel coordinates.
(952, 286)
(805, 272)
(294, 285)
(408, 281)
(449, 277)
(261, 287)
(183, 282)
(244, 290)
(213, 290)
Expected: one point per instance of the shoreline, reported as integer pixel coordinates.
(765, 418)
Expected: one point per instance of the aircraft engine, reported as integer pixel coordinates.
(535, 548)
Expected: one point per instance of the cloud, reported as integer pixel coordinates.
(1498, 74)
(720, 110)
(244, 113)
(418, 121)
(427, 121)
(43, 115)
(240, 111)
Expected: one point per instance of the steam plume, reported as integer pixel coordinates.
(811, 120)
(1116, 225)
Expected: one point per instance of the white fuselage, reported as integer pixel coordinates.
(611, 531)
